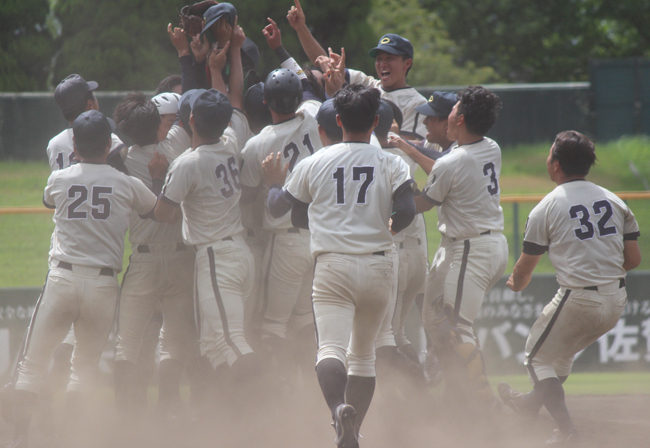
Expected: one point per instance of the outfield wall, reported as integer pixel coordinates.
(502, 328)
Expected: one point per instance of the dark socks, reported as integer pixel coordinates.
(552, 394)
(332, 377)
(358, 393)
(169, 380)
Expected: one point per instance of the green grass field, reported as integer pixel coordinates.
(601, 383)
(25, 238)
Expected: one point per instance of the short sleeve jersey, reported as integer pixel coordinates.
(92, 205)
(147, 231)
(205, 183)
(406, 98)
(583, 226)
(60, 149)
(297, 139)
(241, 128)
(465, 184)
(350, 187)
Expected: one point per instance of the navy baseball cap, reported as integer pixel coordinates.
(184, 107)
(326, 118)
(255, 106)
(71, 92)
(393, 44)
(440, 104)
(385, 113)
(216, 12)
(92, 127)
(211, 108)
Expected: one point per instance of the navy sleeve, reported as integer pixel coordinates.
(403, 207)
(533, 249)
(430, 153)
(299, 214)
(279, 201)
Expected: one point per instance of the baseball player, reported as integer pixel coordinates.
(92, 204)
(161, 267)
(591, 238)
(74, 95)
(288, 266)
(473, 252)
(205, 183)
(348, 189)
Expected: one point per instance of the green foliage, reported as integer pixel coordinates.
(542, 41)
(123, 45)
(433, 63)
(26, 47)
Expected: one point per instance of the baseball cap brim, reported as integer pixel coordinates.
(387, 49)
(92, 85)
(427, 110)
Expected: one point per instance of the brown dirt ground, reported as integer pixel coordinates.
(300, 419)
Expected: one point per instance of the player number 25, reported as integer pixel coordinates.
(101, 205)
(222, 173)
(586, 229)
(357, 171)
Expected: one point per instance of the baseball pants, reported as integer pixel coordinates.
(85, 297)
(224, 280)
(386, 336)
(461, 274)
(412, 272)
(256, 241)
(157, 274)
(350, 298)
(288, 277)
(573, 320)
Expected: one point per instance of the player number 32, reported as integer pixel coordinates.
(586, 230)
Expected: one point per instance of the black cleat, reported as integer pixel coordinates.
(514, 400)
(569, 438)
(345, 420)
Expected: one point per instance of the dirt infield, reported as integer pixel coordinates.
(393, 422)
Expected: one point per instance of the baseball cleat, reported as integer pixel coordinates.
(345, 419)
(569, 438)
(514, 400)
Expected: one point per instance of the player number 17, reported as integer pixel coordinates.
(357, 171)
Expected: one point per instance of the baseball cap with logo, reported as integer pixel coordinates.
(92, 130)
(440, 104)
(212, 109)
(216, 12)
(393, 44)
(71, 92)
(326, 118)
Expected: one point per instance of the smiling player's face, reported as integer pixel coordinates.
(391, 70)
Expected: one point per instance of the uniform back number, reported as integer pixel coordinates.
(292, 152)
(59, 160)
(100, 204)
(489, 170)
(368, 173)
(222, 173)
(586, 229)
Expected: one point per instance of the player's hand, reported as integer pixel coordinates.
(334, 80)
(394, 127)
(398, 142)
(238, 37)
(337, 60)
(511, 282)
(158, 166)
(323, 62)
(223, 31)
(200, 47)
(179, 40)
(272, 34)
(296, 16)
(273, 171)
(218, 58)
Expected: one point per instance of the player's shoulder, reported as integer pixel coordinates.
(62, 139)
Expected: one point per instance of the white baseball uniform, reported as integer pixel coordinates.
(161, 268)
(205, 183)
(473, 252)
(288, 264)
(92, 205)
(583, 227)
(407, 99)
(350, 187)
(60, 149)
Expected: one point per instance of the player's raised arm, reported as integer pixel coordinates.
(216, 62)
(296, 18)
(236, 77)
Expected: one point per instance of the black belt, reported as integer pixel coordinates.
(487, 232)
(401, 245)
(293, 230)
(381, 252)
(621, 284)
(68, 267)
(145, 249)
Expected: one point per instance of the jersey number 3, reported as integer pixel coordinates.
(489, 170)
(357, 171)
(101, 205)
(586, 230)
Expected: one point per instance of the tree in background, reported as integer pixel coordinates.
(26, 45)
(433, 63)
(541, 40)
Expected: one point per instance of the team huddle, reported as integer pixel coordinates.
(274, 221)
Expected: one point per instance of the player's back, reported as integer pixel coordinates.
(60, 149)
(351, 187)
(296, 139)
(93, 203)
(207, 181)
(586, 225)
